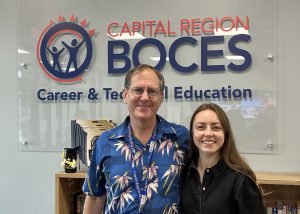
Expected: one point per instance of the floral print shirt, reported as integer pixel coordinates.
(111, 171)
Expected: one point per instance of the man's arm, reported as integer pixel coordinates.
(94, 205)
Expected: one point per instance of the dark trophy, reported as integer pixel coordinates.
(70, 160)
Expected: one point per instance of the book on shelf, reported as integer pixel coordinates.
(274, 206)
(279, 206)
(74, 201)
(84, 134)
(77, 202)
(274, 210)
(290, 207)
(80, 203)
(271, 207)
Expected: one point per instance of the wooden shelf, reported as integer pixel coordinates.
(80, 174)
(278, 178)
(283, 186)
(280, 186)
(65, 185)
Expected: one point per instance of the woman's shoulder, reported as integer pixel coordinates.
(237, 175)
(244, 181)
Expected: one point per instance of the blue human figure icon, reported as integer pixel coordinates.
(55, 56)
(73, 50)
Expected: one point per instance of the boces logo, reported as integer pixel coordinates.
(65, 50)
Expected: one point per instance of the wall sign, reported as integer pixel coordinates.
(73, 66)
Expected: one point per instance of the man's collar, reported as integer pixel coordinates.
(163, 127)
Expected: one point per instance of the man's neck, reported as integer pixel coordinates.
(143, 130)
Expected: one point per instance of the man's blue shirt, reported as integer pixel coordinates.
(111, 171)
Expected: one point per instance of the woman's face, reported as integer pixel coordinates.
(208, 133)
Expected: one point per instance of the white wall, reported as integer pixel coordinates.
(288, 158)
(27, 178)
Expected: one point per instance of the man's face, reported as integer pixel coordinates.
(144, 96)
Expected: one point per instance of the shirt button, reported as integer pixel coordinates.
(207, 170)
(203, 188)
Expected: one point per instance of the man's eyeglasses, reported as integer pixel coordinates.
(139, 91)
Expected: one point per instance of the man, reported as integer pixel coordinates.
(136, 167)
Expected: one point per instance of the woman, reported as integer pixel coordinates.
(216, 179)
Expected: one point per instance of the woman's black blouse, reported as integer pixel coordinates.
(223, 191)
